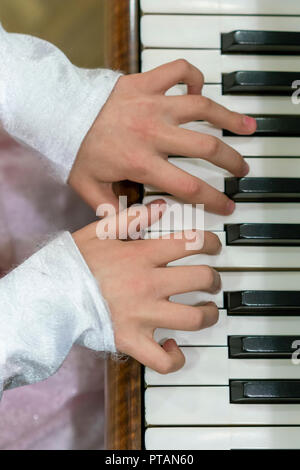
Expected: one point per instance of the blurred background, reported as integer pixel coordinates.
(77, 27)
(66, 411)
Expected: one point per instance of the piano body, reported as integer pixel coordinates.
(239, 388)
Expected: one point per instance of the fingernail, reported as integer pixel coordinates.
(157, 201)
(219, 248)
(217, 282)
(157, 207)
(245, 169)
(249, 123)
(230, 206)
(161, 203)
(169, 345)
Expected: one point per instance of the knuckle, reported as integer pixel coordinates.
(166, 366)
(142, 286)
(136, 163)
(150, 129)
(206, 103)
(201, 74)
(211, 145)
(193, 187)
(195, 100)
(183, 64)
(122, 342)
(127, 83)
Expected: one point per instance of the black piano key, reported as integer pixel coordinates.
(256, 82)
(264, 391)
(274, 125)
(263, 234)
(262, 302)
(263, 189)
(261, 347)
(261, 42)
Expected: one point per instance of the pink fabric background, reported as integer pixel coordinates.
(65, 411)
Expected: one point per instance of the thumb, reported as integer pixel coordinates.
(130, 223)
(95, 193)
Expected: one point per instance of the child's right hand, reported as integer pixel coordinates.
(137, 284)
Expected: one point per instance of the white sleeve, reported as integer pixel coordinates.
(47, 304)
(45, 101)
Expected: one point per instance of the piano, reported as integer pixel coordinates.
(240, 386)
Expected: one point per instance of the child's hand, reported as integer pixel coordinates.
(138, 128)
(136, 284)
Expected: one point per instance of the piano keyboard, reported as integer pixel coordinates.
(222, 438)
(226, 7)
(239, 388)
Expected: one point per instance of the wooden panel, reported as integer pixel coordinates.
(123, 405)
(123, 379)
(77, 27)
(123, 35)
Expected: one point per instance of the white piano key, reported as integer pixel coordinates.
(259, 168)
(251, 7)
(248, 212)
(180, 216)
(243, 257)
(265, 146)
(203, 366)
(238, 281)
(212, 63)
(211, 406)
(246, 280)
(247, 104)
(216, 336)
(252, 146)
(199, 168)
(204, 32)
(232, 325)
(247, 257)
(211, 366)
(222, 438)
(196, 298)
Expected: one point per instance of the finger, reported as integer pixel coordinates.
(173, 316)
(94, 193)
(180, 244)
(180, 279)
(130, 223)
(199, 108)
(170, 179)
(188, 143)
(160, 79)
(163, 359)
